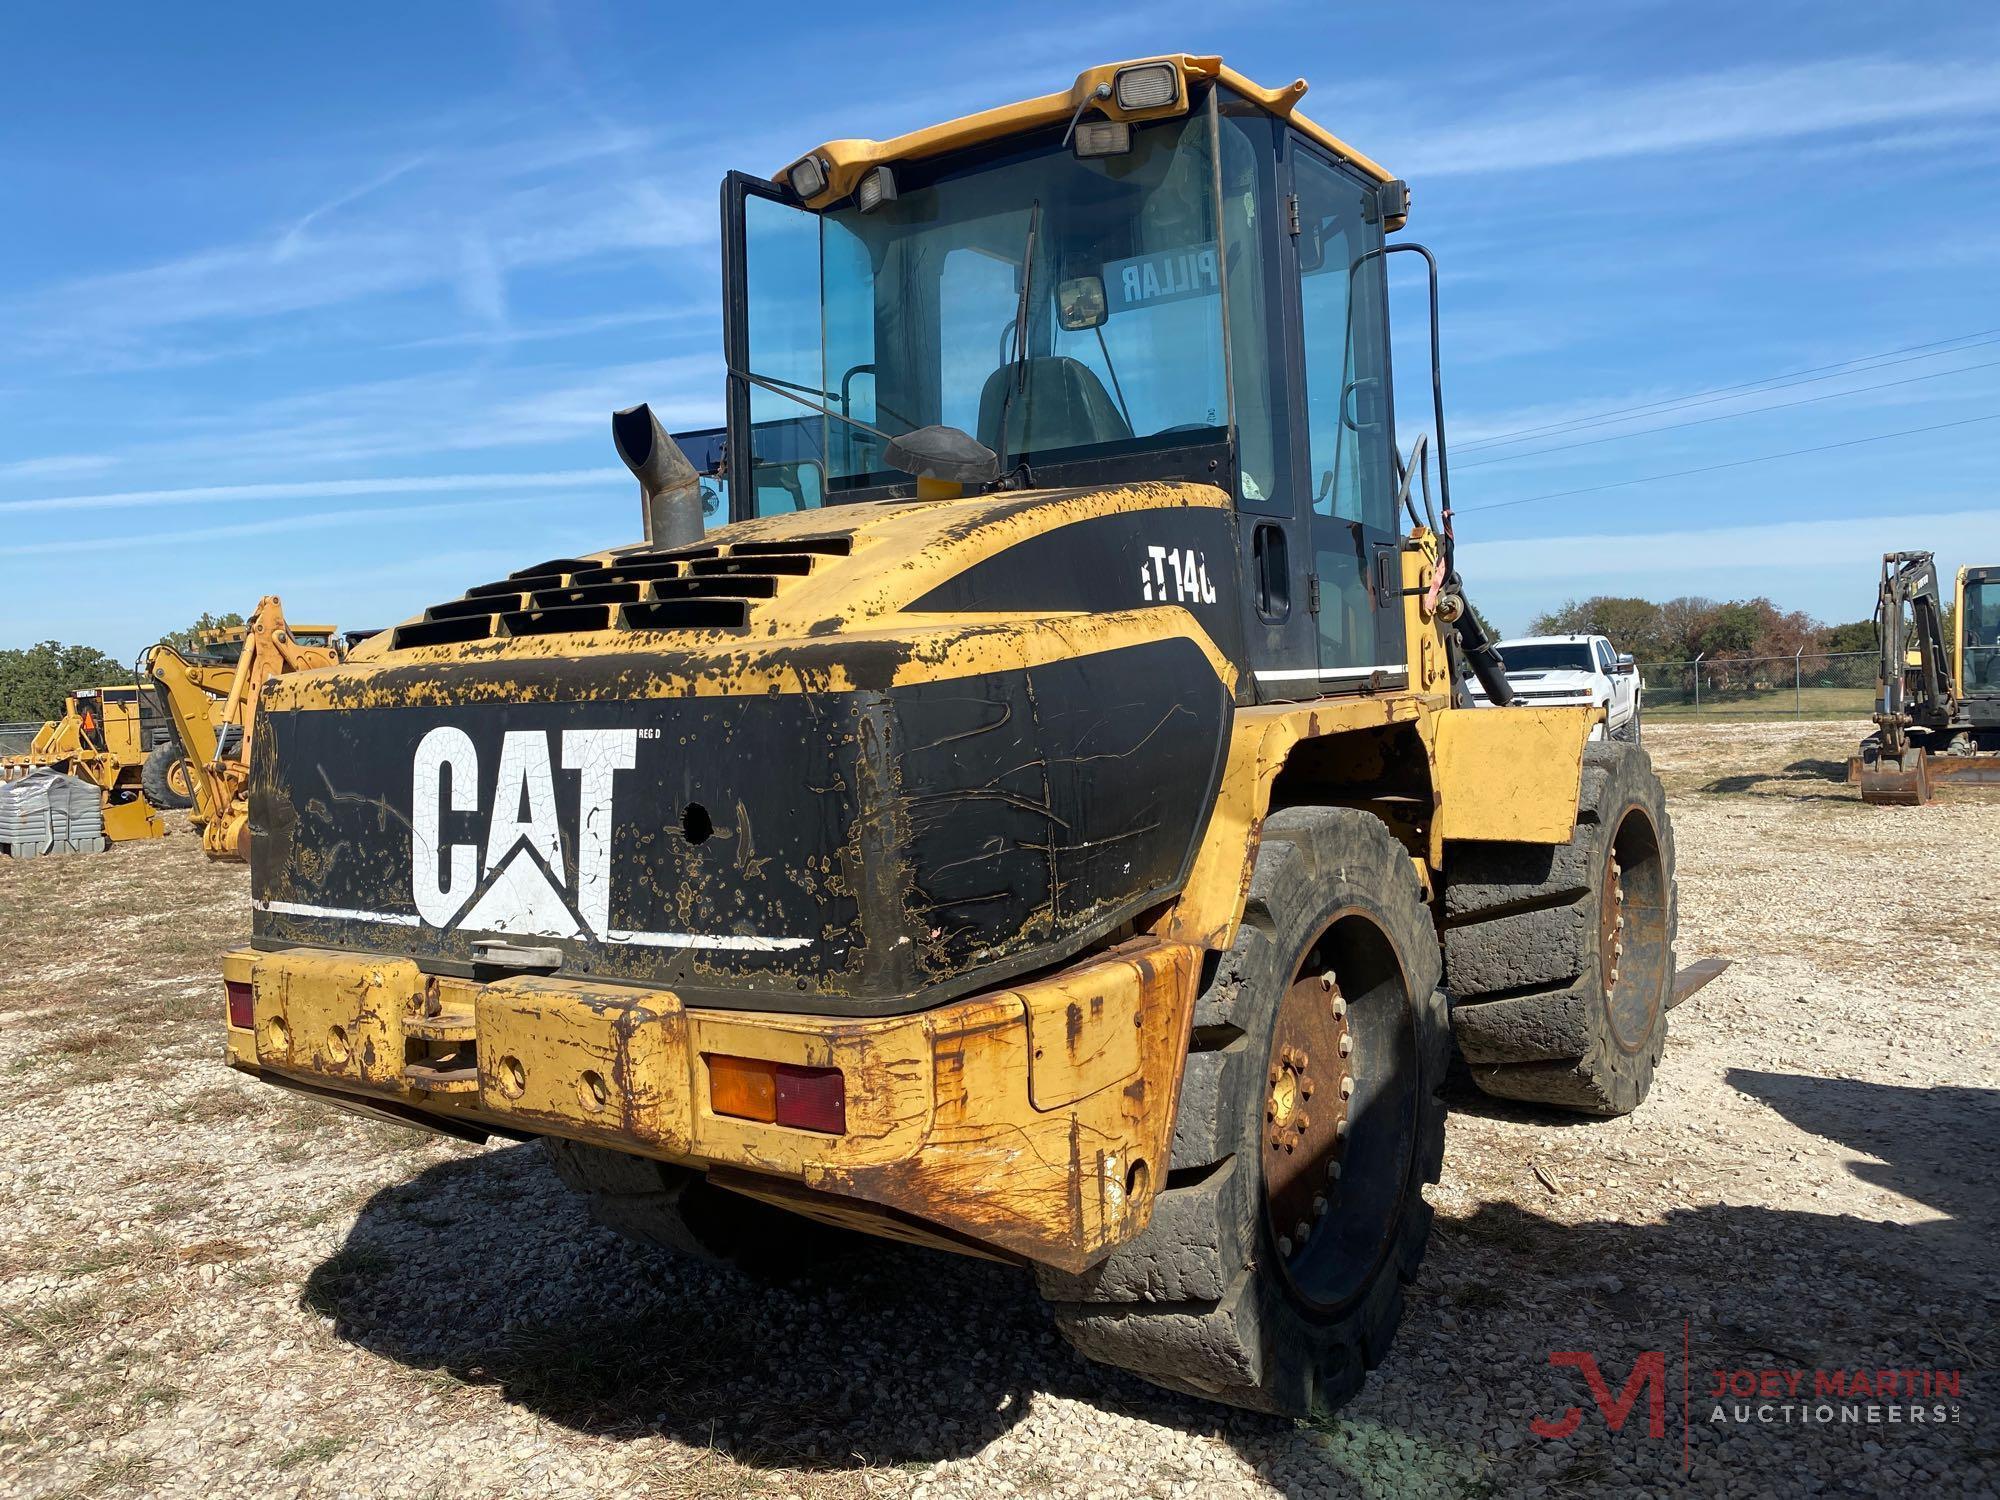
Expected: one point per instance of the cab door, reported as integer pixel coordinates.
(1344, 423)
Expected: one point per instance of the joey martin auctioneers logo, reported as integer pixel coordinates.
(1752, 1396)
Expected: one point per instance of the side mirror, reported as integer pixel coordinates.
(1080, 303)
(1626, 666)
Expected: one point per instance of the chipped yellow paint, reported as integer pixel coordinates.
(901, 550)
(1211, 903)
(994, 1117)
(847, 160)
(1510, 775)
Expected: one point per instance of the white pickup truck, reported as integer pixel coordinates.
(1551, 669)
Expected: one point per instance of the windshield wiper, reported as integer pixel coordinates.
(1017, 372)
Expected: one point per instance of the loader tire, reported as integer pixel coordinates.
(1216, 1297)
(676, 1209)
(166, 777)
(1560, 960)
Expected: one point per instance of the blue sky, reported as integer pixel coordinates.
(336, 301)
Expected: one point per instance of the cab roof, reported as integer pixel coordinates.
(844, 161)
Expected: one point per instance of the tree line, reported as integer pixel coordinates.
(1690, 626)
(35, 679)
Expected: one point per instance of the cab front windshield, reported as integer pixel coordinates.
(911, 315)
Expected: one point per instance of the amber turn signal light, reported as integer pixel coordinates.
(775, 1093)
(242, 1003)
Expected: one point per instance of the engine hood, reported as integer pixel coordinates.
(933, 745)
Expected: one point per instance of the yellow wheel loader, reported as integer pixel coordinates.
(1937, 717)
(1045, 822)
(105, 737)
(212, 697)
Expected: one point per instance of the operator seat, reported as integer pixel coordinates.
(1061, 404)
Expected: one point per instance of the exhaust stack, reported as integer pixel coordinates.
(669, 488)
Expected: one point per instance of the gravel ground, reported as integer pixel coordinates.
(209, 1288)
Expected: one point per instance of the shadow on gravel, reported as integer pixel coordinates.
(1786, 783)
(487, 1270)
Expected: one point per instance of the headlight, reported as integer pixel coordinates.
(808, 178)
(1148, 86)
(877, 188)
(1103, 138)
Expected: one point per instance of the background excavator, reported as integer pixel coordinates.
(211, 698)
(1938, 712)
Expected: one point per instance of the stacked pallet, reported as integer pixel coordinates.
(46, 812)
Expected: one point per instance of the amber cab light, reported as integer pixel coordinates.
(775, 1093)
(242, 1003)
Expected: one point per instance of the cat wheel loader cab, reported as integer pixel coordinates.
(1036, 817)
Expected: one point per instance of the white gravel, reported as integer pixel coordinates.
(207, 1288)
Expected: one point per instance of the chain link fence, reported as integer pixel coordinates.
(16, 738)
(1811, 684)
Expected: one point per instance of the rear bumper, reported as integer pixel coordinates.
(1033, 1120)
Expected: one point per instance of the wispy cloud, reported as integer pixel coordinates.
(54, 464)
(1767, 552)
(318, 489)
(281, 525)
(1597, 121)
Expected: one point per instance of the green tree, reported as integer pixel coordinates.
(1682, 624)
(34, 679)
(1631, 625)
(1855, 635)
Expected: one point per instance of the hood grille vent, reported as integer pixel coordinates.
(687, 588)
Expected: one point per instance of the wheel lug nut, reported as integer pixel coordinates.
(1319, 1207)
(1347, 1088)
(1284, 1245)
(1346, 1044)
(1333, 1171)
(1326, 980)
(1301, 1230)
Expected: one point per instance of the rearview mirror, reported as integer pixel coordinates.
(1080, 303)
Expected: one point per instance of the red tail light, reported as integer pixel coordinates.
(812, 1099)
(775, 1093)
(242, 1003)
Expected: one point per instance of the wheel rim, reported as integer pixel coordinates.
(1339, 1126)
(180, 779)
(1632, 933)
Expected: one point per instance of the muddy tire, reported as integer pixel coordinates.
(1629, 732)
(679, 1210)
(166, 777)
(1560, 961)
(1215, 1298)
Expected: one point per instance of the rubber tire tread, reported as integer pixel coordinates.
(153, 776)
(1521, 951)
(1195, 1303)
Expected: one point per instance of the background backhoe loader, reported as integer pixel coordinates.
(104, 736)
(1937, 718)
(1045, 822)
(211, 698)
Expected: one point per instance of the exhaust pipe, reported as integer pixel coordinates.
(669, 488)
